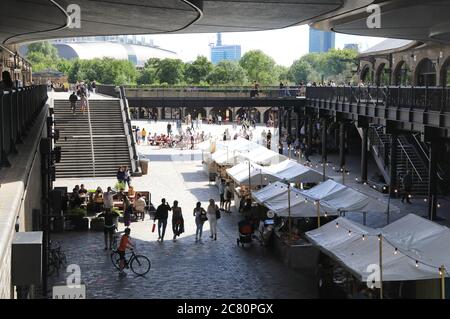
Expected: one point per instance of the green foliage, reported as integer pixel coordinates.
(120, 186)
(77, 211)
(300, 71)
(227, 72)
(197, 71)
(170, 71)
(259, 67)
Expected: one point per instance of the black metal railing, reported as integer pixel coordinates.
(423, 98)
(18, 110)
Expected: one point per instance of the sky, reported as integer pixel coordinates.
(283, 45)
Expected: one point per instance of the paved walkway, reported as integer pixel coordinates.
(182, 269)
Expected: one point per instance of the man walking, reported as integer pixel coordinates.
(162, 213)
(407, 187)
(73, 102)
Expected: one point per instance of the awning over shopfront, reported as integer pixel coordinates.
(413, 248)
(294, 172)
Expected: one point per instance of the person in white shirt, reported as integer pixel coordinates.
(212, 218)
(108, 199)
(139, 206)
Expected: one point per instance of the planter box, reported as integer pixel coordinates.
(77, 222)
(97, 224)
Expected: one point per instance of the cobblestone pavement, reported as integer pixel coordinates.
(182, 269)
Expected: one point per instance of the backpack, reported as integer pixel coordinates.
(218, 213)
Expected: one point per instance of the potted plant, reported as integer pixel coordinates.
(77, 217)
(97, 223)
(120, 186)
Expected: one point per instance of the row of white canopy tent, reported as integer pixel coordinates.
(412, 248)
(327, 198)
(287, 170)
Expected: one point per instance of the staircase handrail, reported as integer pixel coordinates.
(90, 134)
(129, 130)
(425, 154)
(409, 159)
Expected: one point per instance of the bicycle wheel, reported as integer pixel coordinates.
(140, 265)
(115, 259)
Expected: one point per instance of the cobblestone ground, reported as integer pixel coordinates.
(182, 269)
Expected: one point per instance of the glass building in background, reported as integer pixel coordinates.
(220, 52)
(321, 41)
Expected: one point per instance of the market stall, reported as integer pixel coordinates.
(409, 249)
(294, 172)
(262, 156)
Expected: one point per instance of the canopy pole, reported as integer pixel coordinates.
(442, 272)
(299, 156)
(249, 180)
(380, 239)
(343, 175)
(323, 164)
(318, 214)
(289, 211)
(260, 174)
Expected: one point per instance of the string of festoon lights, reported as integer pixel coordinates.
(396, 250)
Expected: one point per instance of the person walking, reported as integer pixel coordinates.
(222, 192)
(269, 140)
(139, 206)
(212, 215)
(127, 175)
(110, 225)
(73, 102)
(83, 100)
(169, 128)
(177, 220)
(98, 200)
(127, 210)
(108, 199)
(143, 135)
(228, 195)
(200, 218)
(407, 187)
(162, 213)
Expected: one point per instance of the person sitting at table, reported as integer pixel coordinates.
(98, 200)
(76, 199)
(139, 206)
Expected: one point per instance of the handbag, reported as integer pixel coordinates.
(218, 214)
(153, 227)
(203, 218)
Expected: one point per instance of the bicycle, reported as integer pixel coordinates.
(116, 237)
(139, 264)
(56, 259)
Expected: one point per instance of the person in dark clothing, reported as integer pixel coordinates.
(407, 187)
(162, 214)
(121, 175)
(169, 128)
(177, 220)
(269, 139)
(6, 83)
(73, 102)
(109, 227)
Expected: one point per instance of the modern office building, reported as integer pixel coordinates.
(321, 41)
(220, 52)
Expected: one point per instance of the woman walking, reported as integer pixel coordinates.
(127, 210)
(211, 213)
(200, 218)
(177, 220)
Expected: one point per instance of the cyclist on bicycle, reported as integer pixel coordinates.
(124, 244)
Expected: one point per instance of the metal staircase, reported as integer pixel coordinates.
(407, 159)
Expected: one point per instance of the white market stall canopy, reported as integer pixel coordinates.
(277, 198)
(334, 197)
(294, 172)
(413, 248)
(263, 156)
(258, 176)
(268, 192)
(230, 152)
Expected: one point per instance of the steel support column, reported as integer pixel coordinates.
(393, 166)
(341, 144)
(364, 158)
(432, 186)
(324, 141)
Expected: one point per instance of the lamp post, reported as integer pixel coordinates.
(289, 209)
(318, 213)
(442, 273)
(249, 180)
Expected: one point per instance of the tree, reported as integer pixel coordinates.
(197, 71)
(259, 67)
(299, 71)
(45, 48)
(227, 72)
(282, 73)
(170, 71)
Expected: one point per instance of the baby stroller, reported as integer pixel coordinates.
(245, 232)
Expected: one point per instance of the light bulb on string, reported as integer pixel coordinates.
(395, 251)
(349, 232)
(440, 272)
(337, 225)
(417, 264)
(438, 205)
(379, 237)
(425, 200)
(363, 237)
